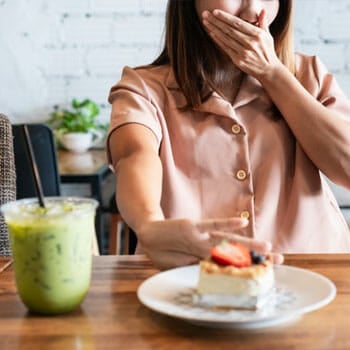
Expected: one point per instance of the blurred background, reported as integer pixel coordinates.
(54, 51)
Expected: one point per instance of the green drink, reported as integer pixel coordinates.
(52, 251)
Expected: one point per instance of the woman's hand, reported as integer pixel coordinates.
(250, 47)
(177, 242)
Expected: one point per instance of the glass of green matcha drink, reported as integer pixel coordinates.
(52, 251)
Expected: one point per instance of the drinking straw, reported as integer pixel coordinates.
(33, 166)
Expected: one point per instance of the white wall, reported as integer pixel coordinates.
(54, 50)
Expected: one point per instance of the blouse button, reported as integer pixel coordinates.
(241, 175)
(236, 129)
(245, 214)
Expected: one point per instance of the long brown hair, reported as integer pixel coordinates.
(195, 58)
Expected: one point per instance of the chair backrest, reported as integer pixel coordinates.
(45, 154)
(7, 178)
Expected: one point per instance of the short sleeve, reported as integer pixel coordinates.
(132, 102)
(315, 77)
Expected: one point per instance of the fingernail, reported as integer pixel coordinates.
(245, 221)
(205, 14)
(280, 259)
(268, 246)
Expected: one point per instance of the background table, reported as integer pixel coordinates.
(91, 168)
(111, 316)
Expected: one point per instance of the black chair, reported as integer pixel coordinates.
(44, 148)
(45, 154)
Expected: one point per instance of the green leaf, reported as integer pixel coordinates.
(82, 118)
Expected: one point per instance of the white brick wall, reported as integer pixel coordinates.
(67, 6)
(73, 48)
(86, 31)
(52, 51)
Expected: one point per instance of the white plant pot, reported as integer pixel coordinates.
(77, 142)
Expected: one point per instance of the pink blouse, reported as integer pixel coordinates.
(223, 160)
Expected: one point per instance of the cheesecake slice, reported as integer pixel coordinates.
(233, 277)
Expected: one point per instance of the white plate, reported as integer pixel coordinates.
(297, 291)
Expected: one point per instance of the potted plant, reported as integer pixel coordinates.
(77, 129)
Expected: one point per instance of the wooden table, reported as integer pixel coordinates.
(89, 163)
(111, 317)
(91, 168)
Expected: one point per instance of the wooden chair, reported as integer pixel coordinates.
(7, 178)
(122, 240)
(118, 235)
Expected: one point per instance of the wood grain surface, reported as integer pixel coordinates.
(86, 163)
(111, 317)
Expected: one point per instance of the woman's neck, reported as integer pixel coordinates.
(230, 81)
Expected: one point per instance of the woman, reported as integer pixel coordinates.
(225, 135)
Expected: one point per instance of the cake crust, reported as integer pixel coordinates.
(251, 272)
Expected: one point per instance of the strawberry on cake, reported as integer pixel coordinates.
(234, 277)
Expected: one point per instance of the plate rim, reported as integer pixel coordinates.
(264, 319)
